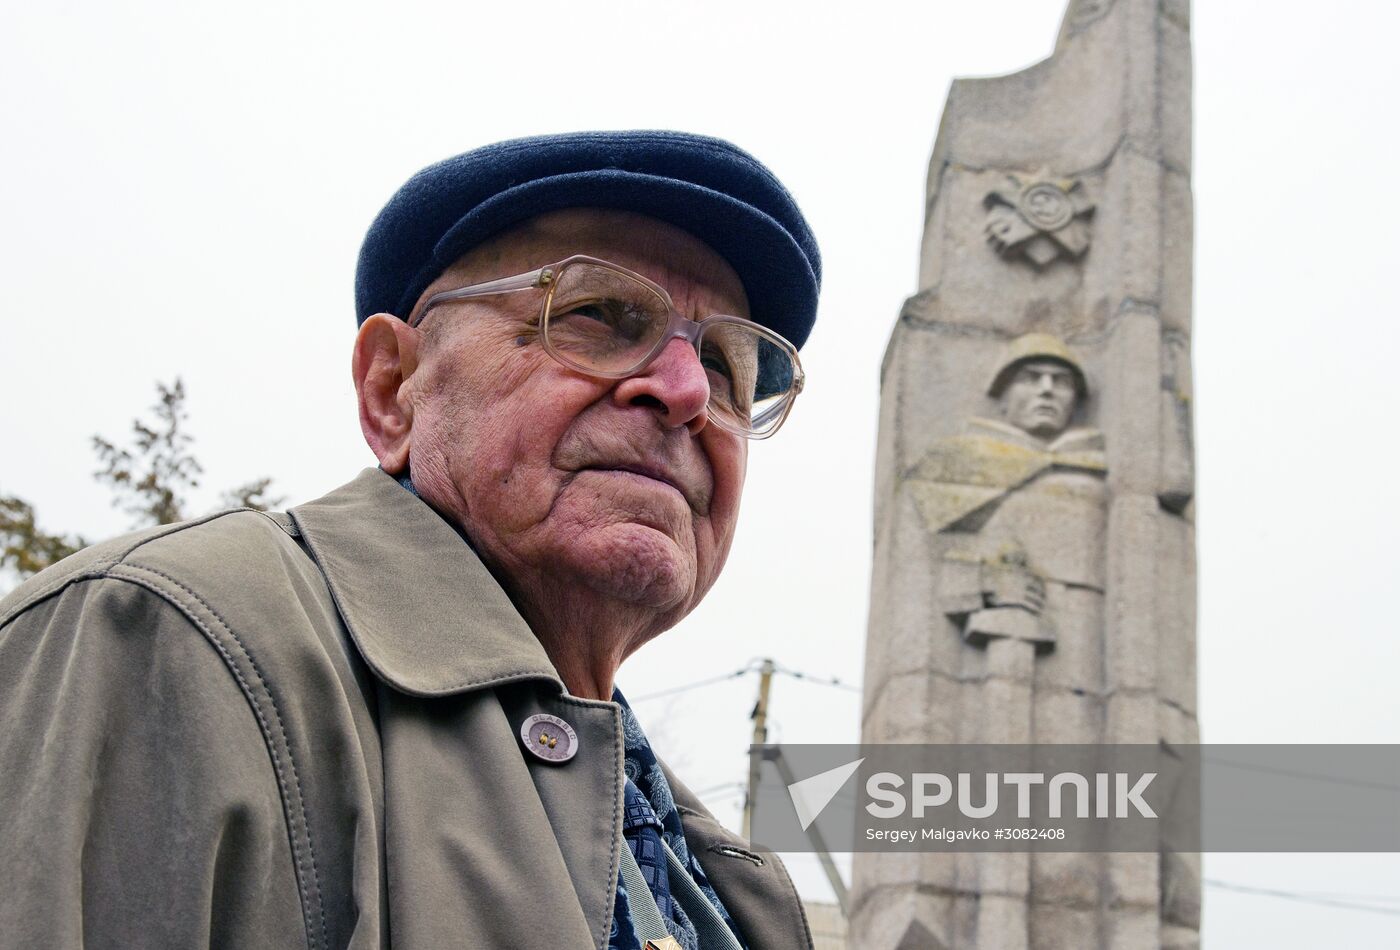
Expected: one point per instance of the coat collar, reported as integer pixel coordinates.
(424, 612)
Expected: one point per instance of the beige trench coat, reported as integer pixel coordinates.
(301, 730)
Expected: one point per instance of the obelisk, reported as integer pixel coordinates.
(1034, 575)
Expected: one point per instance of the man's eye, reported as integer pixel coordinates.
(592, 311)
(717, 363)
(623, 318)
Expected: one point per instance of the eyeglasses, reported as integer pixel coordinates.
(605, 321)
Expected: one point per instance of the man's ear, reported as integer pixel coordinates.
(386, 354)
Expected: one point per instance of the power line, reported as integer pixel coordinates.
(819, 680)
(751, 667)
(1368, 898)
(718, 788)
(1303, 898)
(710, 681)
(1294, 773)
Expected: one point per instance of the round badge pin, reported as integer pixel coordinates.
(549, 738)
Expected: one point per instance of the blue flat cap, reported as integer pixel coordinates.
(706, 186)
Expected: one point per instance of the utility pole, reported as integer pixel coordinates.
(760, 737)
(814, 835)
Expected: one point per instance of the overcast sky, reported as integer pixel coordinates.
(183, 189)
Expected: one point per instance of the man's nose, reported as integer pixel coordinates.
(674, 384)
(1045, 383)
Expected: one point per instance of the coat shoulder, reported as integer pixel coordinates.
(216, 640)
(235, 550)
(132, 765)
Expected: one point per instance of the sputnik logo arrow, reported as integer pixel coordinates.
(811, 795)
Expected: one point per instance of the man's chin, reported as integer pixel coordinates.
(636, 564)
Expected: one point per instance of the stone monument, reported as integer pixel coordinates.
(1034, 577)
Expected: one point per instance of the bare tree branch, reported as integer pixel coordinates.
(149, 479)
(150, 482)
(26, 549)
(253, 495)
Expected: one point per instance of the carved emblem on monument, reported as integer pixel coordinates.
(1024, 497)
(1038, 218)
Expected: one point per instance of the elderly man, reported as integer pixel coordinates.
(388, 715)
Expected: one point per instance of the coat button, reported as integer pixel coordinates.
(550, 738)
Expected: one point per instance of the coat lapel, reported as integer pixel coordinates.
(484, 844)
(424, 612)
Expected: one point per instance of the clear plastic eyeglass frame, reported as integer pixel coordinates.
(545, 278)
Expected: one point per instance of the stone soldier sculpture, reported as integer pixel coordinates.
(1025, 496)
(1016, 509)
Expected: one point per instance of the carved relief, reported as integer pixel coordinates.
(1022, 498)
(1038, 218)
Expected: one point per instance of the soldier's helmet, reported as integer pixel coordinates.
(1035, 346)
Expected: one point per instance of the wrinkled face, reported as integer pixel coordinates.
(618, 486)
(1040, 398)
